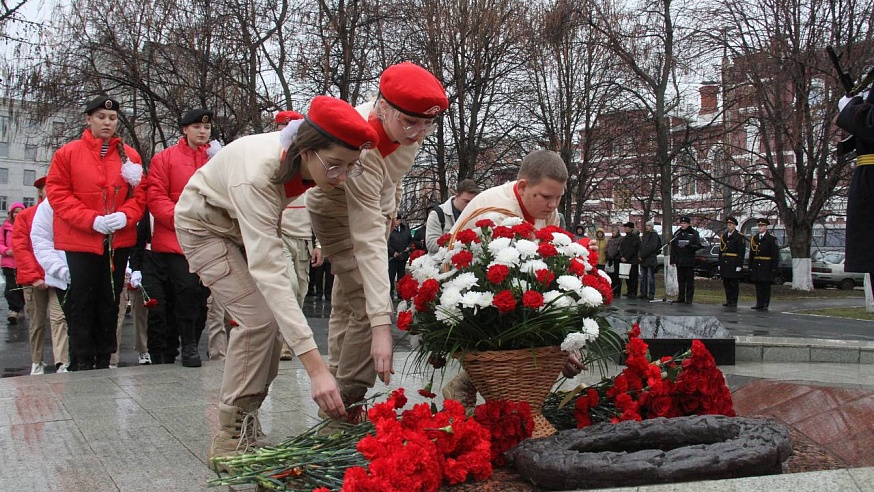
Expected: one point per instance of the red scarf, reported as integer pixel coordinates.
(527, 216)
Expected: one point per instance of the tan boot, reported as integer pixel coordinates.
(237, 429)
(462, 390)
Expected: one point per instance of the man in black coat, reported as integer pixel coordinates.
(764, 260)
(683, 246)
(628, 250)
(650, 245)
(732, 250)
(400, 243)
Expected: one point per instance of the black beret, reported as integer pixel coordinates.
(101, 102)
(763, 222)
(731, 220)
(686, 219)
(196, 116)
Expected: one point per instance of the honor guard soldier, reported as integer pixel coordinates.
(856, 117)
(685, 243)
(732, 251)
(764, 258)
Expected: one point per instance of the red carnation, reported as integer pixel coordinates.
(462, 259)
(545, 277)
(497, 273)
(415, 254)
(524, 230)
(503, 231)
(546, 250)
(577, 267)
(467, 236)
(405, 318)
(485, 223)
(407, 287)
(532, 299)
(150, 303)
(443, 240)
(504, 301)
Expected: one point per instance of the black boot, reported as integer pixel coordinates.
(190, 356)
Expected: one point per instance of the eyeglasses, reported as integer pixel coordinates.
(351, 170)
(413, 127)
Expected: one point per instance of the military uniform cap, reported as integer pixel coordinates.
(286, 117)
(731, 220)
(101, 102)
(338, 120)
(686, 219)
(196, 116)
(763, 221)
(412, 90)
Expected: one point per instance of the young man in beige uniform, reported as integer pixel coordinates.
(352, 223)
(237, 201)
(534, 197)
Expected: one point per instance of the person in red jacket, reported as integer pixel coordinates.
(14, 297)
(39, 296)
(94, 187)
(166, 267)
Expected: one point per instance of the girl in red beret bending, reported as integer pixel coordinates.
(237, 202)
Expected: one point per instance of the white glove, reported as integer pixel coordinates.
(64, 275)
(100, 225)
(737, 269)
(136, 279)
(843, 102)
(116, 221)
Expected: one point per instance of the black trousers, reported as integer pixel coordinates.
(615, 281)
(632, 281)
(763, 294)
(732, 289)
(91, 305)
(321, 280)
(686, 281)
(181, 302)
(396, 270)
(14, 295)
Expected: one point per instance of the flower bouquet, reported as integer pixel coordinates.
(687, 384)
(504, 299)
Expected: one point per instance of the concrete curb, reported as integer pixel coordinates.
(782, 349)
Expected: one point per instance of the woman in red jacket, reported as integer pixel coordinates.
(14, 297)
(93, 186)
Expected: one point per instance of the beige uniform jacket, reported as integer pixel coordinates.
(296, 220)
(501, 196)
(369, 201)
(232, 197)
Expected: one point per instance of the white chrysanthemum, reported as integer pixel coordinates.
(569, 283)
(518, 283)
(511, 221)
(532, 266)
(556, 300)
(591, 329)
(589, 296)
(559, 239)
(477, 300)
(574, 250)
(424, 270)
(402, 306)
(573, 342)
(498, 244)
(214, 147)
(477, 250)
(464, 281)
(526, 248)
(507, 256)
(450, 316)
(605, 275)
(450, 298)
(132, 172)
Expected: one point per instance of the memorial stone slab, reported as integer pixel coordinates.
(670, 335)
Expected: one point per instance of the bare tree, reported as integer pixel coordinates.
(785, 91)
(573, 82)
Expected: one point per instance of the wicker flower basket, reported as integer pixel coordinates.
(517, 375)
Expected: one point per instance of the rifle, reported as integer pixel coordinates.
(848, 144)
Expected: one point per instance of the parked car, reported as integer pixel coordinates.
(829, 270)
(707, 261)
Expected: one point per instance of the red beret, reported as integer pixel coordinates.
(286, 117)
(413, 90)
(40, 183)
(339, 121)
